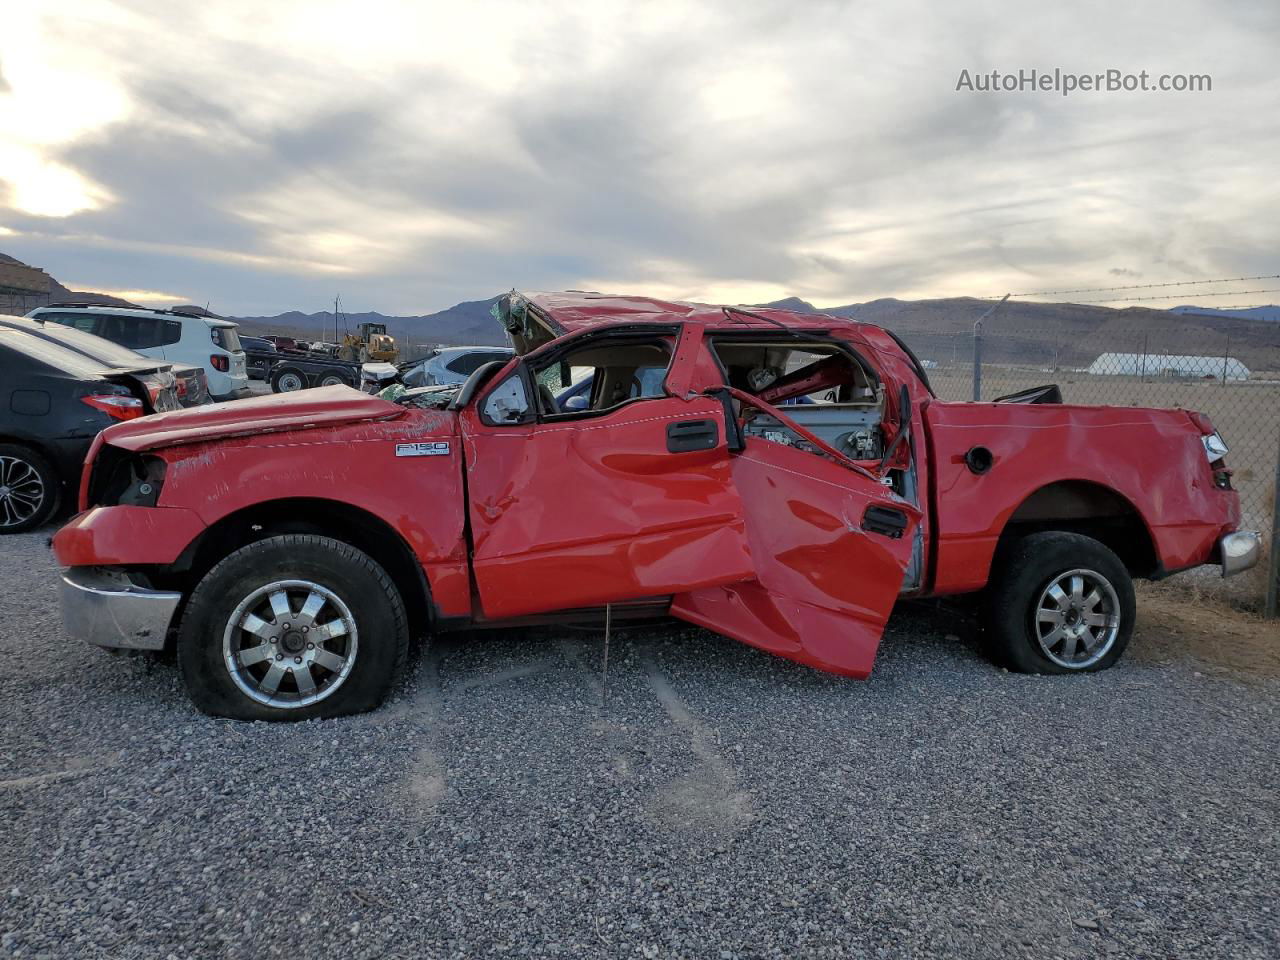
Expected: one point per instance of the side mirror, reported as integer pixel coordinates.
(576, 403)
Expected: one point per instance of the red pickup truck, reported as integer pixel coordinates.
(779, 478)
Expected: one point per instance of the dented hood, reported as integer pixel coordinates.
(301, 410)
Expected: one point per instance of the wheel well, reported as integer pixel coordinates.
(326, 518)
(1077, 506)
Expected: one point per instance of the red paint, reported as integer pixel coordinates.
(766, 545)
(302, 410)
(1152, 458)
(574, 514)
(107, 536)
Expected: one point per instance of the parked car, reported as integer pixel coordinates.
(305, 539)
(53, 403)
(187, 385)
(450, 365)
(260, 355)
(191, 386)
(206, 342)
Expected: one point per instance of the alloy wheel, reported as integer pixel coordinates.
(22, 491)
(290, 643)
(1077, 618)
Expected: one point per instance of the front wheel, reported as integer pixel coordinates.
(1058, 603)
(290, 628)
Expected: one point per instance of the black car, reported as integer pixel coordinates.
(259, 354)
(53, 402)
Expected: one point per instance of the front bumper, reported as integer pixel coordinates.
(1238, 552)
(103, 607)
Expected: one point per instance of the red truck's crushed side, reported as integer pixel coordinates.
(703, 494)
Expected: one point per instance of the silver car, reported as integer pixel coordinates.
(451, 365)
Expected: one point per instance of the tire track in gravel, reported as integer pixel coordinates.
(707, 799)
(425, 784)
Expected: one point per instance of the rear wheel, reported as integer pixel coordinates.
(332, 380)
(28, 488)
(1058, 603)
(290, 628)
(287, 381)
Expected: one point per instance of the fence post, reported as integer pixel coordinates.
(977, 361)
(1273, 567)
(977, 347)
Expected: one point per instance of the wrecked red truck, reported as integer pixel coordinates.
(778, 478)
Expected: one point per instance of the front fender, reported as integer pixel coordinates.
(126, 536)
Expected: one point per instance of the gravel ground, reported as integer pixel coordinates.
(718, 803)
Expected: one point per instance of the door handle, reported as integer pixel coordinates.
(885, 521)
(685, 436)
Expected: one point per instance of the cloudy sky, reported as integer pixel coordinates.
(263, 156)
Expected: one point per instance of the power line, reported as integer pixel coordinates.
(1139, 286)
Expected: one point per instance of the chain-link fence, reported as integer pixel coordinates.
(1226, 369)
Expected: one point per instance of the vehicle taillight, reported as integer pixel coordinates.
(220, 362)
(116, 406)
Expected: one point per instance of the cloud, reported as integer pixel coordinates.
(416, 155)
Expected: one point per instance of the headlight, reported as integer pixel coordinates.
(1215, 448)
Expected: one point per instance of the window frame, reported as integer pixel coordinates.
(652, 333)
(555, 350)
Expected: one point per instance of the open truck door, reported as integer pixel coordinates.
(830, 545)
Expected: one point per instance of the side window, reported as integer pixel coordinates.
(172, 333)
(601, 374)
(469, 363)
(507, 402)
(822, 388)
(87, 322)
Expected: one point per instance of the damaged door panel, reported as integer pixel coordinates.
(830, 546)
(572, 514)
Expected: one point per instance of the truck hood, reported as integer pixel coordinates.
(300, 410)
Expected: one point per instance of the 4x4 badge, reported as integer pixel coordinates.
(426, 448)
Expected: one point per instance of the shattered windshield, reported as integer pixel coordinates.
(436, 397)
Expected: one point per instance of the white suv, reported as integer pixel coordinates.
(200, 341)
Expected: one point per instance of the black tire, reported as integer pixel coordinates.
(24, 473)
(380, 635)
(333, 380)
(287, 380)
(1020, 577)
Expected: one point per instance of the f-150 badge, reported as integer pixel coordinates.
(426, 448)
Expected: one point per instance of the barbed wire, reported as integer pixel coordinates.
(1137, 286)
(1180, 296)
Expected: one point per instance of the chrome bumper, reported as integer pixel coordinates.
(101, 606)
(1239, 552)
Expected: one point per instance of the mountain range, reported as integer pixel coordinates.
(1019, 332)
